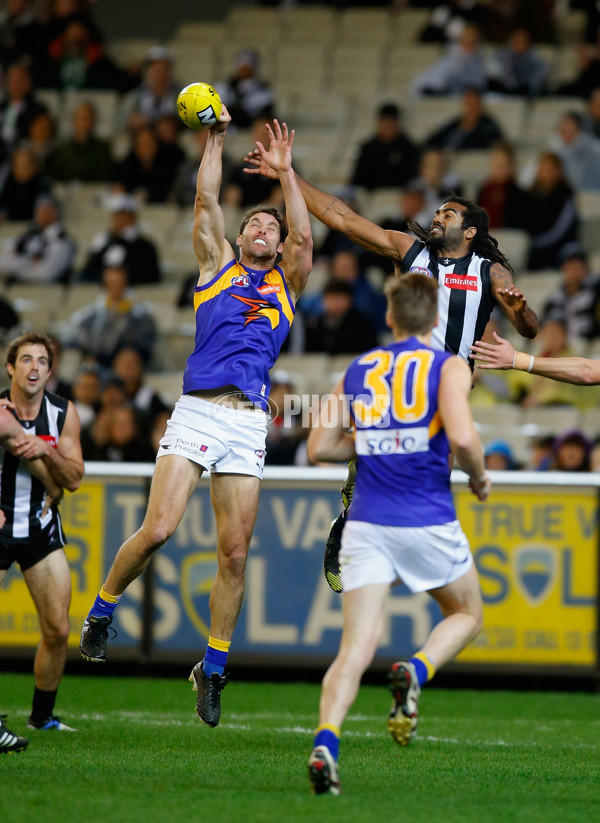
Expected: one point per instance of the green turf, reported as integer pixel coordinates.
(142, 755)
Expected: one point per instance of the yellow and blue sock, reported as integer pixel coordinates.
(216, 656)
(328, 735)
(423, 666)
(104, 604)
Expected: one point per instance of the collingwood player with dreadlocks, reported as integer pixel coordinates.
(458, 251)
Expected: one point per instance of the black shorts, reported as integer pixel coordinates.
(27, 551)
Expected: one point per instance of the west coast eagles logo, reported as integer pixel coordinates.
(257, 309)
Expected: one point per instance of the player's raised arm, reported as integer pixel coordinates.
(453, 400)
(334, 213)
(297, 250)
(502, 355)
(512, 302)
(211, 248)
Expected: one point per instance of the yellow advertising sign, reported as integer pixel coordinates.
(83, 518)
(536, 552)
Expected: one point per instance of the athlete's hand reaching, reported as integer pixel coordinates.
(259, 165)
(513, 298)
(28, 447)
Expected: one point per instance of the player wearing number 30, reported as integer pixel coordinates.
(409, 406)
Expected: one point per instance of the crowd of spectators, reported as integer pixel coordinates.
(490, 49)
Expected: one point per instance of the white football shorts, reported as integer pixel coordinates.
(423, 558)
(218, 438)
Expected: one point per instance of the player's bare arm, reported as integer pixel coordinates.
(297, 250)
(512, 302)
(211, 249)
(453, 400)
(502, 355)
(329, 440)
(65, 462)
(335, 214)
(10, 433)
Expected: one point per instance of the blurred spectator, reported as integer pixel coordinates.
(56, 384)
(129, 366)
(500, 195)
(577, 303)
(45, 253)
(389, 158)
(125, 442)
(245, 94)
(474, 129)
(571, 452)
(159, 427)
(83, 156)
(499, 456)
(22, 186)
(156, 96)
(244, 190)
(184, 186)
(535, 16)
(541, 454)
(284, 431)
(437, 180)
(167, 132)
(41, 137)
(345, 267)
(588, 77)
(113, 322)
(64, 12)
(551, 217)
(516, 68)
(591, 119)
(122, 245)
(448, 20)
(85, 392)
(342, 328)
(148, 170)
(77, 61)
(21, 33)
(95, 436)
(461, 68)
(19, 106)
(579, 152)
(9, 319)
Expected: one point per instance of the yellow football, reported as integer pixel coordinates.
(199, 106)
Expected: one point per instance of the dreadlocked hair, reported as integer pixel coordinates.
(483, 244)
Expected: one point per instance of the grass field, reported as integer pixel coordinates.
(141, 754)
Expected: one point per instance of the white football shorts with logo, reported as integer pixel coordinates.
(220, 439)
(423, 558)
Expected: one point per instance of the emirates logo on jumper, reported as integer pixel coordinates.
(465, 282)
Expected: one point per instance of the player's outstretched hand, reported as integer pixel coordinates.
(279, 155)
(481, 488)
(223, 121)
(513, 298)
(499, 355)
(258, 165)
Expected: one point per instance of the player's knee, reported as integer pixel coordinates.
(233, 561)
(156, 532)
(56, 633)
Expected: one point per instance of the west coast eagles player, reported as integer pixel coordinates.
(243, 313)
(408, 403)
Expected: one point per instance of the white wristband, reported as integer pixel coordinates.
(514, 359)
(530, 366)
